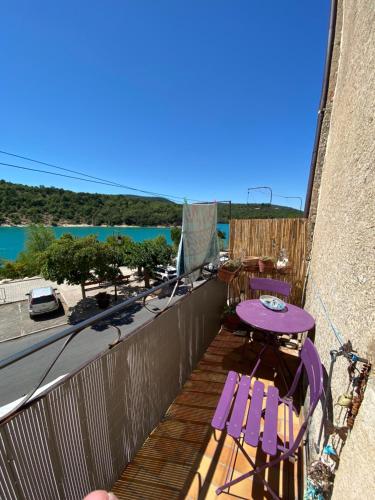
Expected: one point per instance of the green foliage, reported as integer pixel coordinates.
(29, 262)
(39, 238)
(73, 260)
(115, 252)
(256, 211)
(148, 254)
(229, 309)
(13, 270)
(176, 232)
(44, 205)
(121, 248)
(175, 237)
(232, 265)
(78, 260)
(221, 237)
(47, 205)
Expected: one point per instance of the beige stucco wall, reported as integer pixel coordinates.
(326, 123)
(343, 250)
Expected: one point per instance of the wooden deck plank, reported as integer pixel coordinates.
(185, 458)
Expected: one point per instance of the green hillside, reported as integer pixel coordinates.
(21, 204)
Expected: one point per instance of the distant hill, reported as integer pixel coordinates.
(21, 204)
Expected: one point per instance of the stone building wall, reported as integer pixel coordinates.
(326, 122)
(342, 269)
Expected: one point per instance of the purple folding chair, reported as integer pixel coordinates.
(281, 288)
(271, 285)
(231, 414)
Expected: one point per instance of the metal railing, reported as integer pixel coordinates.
(71, 332)
(79, 434)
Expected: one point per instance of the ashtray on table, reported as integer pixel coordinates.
(273, 303)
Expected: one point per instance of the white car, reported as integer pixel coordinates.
(165, 273)
(212, 266)
(42, 301)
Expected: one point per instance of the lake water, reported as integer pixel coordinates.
(12, 239)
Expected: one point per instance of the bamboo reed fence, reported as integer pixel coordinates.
(266, 237)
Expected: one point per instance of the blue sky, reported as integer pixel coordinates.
(197, 98)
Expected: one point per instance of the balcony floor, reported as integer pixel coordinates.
(185, 458)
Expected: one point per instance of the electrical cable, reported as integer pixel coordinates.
(90, 178)
(54, 173)
(56, 166)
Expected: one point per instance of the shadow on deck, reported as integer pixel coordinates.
(185, 458)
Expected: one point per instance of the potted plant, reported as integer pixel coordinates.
(250, 263)
(282, 264)
(229, 270)
(103, 299)
(266, 264)
(229, 318)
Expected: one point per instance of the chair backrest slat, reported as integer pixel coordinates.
(271, 285)
(311, 362)
(313, 366)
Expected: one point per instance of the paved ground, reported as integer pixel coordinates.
(18, 379)
(16, 322)
(72, 295)
(16, 290)
(14, 317)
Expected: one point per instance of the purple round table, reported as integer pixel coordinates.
(292, 320)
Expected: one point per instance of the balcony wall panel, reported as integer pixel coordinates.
(80, 435)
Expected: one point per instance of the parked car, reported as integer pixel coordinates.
(165, 273)
(213, 266)
(42, 301)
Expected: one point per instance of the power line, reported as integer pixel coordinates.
(56, 166)
(54, 173)
(90, 178)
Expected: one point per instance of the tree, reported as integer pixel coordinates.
(176, 237)
(39, 238)
(12, 270)
(29, 262)
(221, 235)
(122, 248)
(73, 260)
(113, 254)
(148, 254)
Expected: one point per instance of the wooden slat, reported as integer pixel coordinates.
(185, 457)
(266, 237)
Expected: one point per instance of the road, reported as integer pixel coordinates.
(18, 379)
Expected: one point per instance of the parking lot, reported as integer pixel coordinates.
(16, 322)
